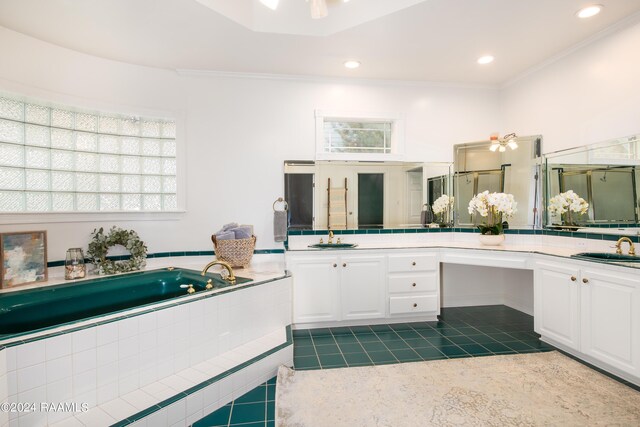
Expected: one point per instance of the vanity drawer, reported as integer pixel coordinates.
(415, 283)
(416, 262)
(413, 304)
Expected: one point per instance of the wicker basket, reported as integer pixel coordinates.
(237, 252)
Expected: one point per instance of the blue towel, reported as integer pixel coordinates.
(225, 235)
(243, 232)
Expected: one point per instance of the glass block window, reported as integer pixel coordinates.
(346, 136)
(57, 159)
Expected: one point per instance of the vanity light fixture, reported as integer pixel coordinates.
(501, 145)
(589, 11)
(318, 9)
(487, 59)
(271, 4)
(352, 64)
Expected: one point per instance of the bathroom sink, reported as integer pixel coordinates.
(333, 245)
(606, 256)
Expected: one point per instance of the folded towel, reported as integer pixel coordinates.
(226, 227)
(226, 235)
(242, 232)
(280, 226)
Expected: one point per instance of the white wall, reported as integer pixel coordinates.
(235, 132)
(588, 96)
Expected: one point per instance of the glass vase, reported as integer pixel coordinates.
(74, 267)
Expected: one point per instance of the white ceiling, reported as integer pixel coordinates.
(432, 40)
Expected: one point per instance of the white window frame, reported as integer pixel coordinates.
(397, 135)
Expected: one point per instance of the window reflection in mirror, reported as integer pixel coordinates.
(351, 195)
(605, 175)
(477, 168)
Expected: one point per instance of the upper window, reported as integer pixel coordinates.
(341, 136)
(57, 159)
(358, 136)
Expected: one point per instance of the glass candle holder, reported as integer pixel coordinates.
(74, 267)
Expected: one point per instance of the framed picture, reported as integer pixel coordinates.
(23, 258)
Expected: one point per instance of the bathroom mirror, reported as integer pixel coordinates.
(509, 165)
(351, 195)
(605, 175)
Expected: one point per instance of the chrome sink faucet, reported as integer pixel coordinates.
(632, 249)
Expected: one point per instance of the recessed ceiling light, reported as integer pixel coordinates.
(487, 59)
(589, 11)
(352, 64)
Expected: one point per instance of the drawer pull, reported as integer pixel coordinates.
(415, 305)
(413, 284)
(413, 263)
(574, 278)
(585, 280)
(344, 264)
(335, 265)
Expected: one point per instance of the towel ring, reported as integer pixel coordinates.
(281, 200)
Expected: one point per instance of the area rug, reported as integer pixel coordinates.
(539, 389)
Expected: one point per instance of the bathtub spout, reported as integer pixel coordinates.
(231, 278)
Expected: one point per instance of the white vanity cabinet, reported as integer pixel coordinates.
(593, 311)
(328, 287)
(414, 283)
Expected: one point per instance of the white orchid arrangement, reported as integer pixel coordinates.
(442, 206)
(494, 207)
(567, 202)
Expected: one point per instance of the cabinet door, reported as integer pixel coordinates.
(362, 285)
(610, 326)
(316, 295)
(556, 303)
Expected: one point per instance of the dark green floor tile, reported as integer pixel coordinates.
(429, 353)
(496, 347)
(452, 350)
(272, 381)
(307, 362)
(332, 361)
(468, 330)
(524, 336)
(439, 341)
(401, 327)
(258, 394)
(346, 339)
(302, 342)
(360, 329)
(357, 358)
(299, 351)
(381, 356)
(320, 332)
(449, 332)
(396, 344)
(271, 411)
(300, 333)
(517, 345)
(220, 417)
(248, 413)
(254, 424)
(327, 349)
(501, 336)
(271, 393)
(408, 334)
(271, 423)
(461, 339)
(482, 339)
(474, 349)
(323, 340)
(429, 333)
(341, 331)
(380, 328)
(367, 337)
(407, 355)
(388, 335)
(417, 342)
(374, 346)
(351, 348)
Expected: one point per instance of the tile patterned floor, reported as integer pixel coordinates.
(461, 332)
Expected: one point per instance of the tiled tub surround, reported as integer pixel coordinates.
(123, 367)
(574, 302)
